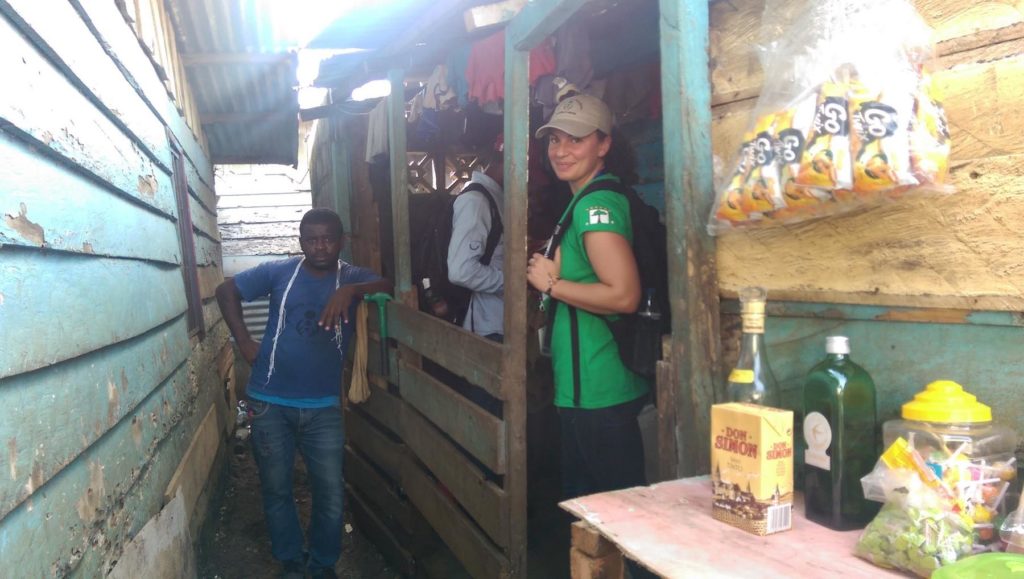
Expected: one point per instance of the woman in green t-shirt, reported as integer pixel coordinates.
(593, 276)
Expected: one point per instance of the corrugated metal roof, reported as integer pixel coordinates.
(241, 65)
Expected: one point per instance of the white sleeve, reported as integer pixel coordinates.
(470, 225)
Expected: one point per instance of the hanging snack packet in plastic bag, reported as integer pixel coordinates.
(929, 136)
(730, 208)
(753, 189)
(843, 88)
(761, 193)
(825, 163)
(792, 128)
(880, 143)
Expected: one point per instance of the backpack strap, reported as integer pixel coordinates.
(497, 227)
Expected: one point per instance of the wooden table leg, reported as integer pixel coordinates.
(592, 556)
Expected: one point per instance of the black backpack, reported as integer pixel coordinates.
(430, 255)
(638, 338)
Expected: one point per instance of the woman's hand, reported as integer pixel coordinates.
(542, 273)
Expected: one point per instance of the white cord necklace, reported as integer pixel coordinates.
(338, 335)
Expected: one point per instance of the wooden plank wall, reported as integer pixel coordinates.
(101, 385)
(259, 208)
(446, 454)
(961, 251)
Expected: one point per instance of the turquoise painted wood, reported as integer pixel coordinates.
(69, 406)
(45, 107)
(844, 312)
(82, 59)
(538, 20)
(208, 252)
(903, 357)
(54, 307)
(686, 97)
(197, 188)
(399, 183)
(122, 46)
(50, 534)
(37, 210)
(204, 220)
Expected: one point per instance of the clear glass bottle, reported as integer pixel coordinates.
(647, 339)
(752, 379)
(841, 433)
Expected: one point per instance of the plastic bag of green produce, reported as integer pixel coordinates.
(919, 540)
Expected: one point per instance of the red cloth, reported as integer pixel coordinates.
(485, 70)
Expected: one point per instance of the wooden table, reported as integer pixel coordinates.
(668, 528)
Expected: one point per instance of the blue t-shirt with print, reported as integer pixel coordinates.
(307, 363)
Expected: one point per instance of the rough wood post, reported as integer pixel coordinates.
(693, 284)
(399, 187)
(513, 368)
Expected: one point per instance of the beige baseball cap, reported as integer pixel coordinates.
(579, 116)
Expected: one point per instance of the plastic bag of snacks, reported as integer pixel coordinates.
(937, 509)
(847, 116)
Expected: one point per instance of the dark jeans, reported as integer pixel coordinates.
(319, 435)
(601, 449)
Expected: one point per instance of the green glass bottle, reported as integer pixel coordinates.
(841, 436)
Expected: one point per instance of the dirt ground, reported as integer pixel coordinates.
(236, 545)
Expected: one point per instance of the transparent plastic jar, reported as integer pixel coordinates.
(943, 421)
(973, 457)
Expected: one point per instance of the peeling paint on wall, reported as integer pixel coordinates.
(148, 185)
(113, 402)
(89, 503)
(137, 431)
(12, 456)
(87, 247)
(32, 232)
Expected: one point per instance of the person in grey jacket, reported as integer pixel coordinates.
(471, 224)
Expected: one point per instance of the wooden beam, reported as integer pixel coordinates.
(477, 554)
(462, 352)
(399, 185)
(472, 427)
(482, 499)
(209, 118)
(220, 58)
(379, 491)
(370, 523)
(471, 546)
(535, 22)
(693, 287)
(513, 360)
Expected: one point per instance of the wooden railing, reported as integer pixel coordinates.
(417, 442)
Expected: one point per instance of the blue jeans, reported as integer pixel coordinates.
(318, 433)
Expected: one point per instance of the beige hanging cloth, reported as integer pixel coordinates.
(359, 390)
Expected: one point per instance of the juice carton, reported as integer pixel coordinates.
(752, 467)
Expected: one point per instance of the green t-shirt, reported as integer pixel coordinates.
(604, 379)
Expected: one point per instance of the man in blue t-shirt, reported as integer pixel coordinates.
(294, 390)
